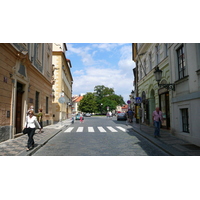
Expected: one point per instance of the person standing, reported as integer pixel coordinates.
(81, 118)
(157, 118)
(31, 124)
(130, 115)
(39, 118)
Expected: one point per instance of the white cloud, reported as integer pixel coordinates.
(101, 72)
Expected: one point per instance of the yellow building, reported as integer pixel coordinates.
(25, 80)
(62, 83)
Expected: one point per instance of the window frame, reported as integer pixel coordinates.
(47, 105)
(37, 101)
(185, 120)
(181, 64)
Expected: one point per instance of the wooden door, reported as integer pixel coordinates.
(18, 118)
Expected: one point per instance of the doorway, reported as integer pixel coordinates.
(164, 107)
(18, 117)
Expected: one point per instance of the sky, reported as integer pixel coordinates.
(108, 64)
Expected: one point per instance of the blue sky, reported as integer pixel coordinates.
(108, 64)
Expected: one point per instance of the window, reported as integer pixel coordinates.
(37, 94)
(157, 54)
(185, 120)
(47, 105)
(150, 62)
(140, 72)
(181, 62)
(166, 50)
(145, 66)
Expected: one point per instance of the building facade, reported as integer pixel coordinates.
(25, 80)
(148, 56)
(185, 73)
(62, 83)
(76, 101)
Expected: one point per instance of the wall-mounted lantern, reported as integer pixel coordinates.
(158, 77)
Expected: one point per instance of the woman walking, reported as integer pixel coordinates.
(31, 123)
(39, 118)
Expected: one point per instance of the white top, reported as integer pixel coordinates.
(32, 122)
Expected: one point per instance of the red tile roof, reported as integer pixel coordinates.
(77, 99)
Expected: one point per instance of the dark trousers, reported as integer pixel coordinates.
(31, 132)
(157, 128)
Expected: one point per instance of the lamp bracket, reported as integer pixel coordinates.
(169, 86)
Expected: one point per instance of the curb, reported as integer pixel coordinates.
(41, 143)
(170, 150)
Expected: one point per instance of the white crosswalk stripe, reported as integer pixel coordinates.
(69, 129)
(90, 129)
(80, 129)
(122, 129)
(101, 129)
(111, 129)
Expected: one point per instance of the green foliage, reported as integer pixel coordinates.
(106, 97)
(88, 103)
(98, 101)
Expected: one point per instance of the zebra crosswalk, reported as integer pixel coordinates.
(98, 128)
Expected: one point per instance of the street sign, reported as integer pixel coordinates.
(128, 102)
(138, 99)
(61, 100)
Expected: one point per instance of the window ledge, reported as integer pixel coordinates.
(198, 72)
(182, 80)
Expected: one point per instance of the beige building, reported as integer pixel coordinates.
(62, 83)
(25, 80)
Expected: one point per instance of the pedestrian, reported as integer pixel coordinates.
(81, 118)
(107, 114)
(157, 118)
(72, 119)
(39, 118)
(31, 108)
(130, 115)
(110, 115)
(31, 124)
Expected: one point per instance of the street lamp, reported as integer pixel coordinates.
(101, 107)
(158, 77)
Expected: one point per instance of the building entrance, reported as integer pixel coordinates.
(164, 107)
(18, 117)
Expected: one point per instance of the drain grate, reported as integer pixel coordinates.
(191, 146)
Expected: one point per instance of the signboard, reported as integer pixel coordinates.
(128, 102)
(61, 100)
(138, 99)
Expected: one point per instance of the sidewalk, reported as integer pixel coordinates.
(17, 146)
(169, 143)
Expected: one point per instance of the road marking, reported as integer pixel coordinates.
(111, 129)
(90, 129)
(69, 129)
(80, 129)
(101, 129)
(122, 129)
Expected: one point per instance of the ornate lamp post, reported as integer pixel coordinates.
(158, 77)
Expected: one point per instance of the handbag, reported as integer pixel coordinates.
(25, 130)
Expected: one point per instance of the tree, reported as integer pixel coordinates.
(106, 97)
(88, 103)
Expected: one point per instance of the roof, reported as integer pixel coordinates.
(125, 107)
(77, 99)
